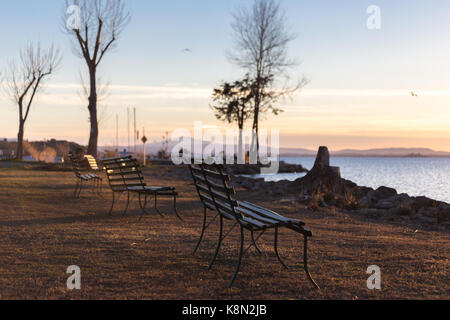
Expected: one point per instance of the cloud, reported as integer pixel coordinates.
(370, 93)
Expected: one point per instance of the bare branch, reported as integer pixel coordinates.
(102, 22)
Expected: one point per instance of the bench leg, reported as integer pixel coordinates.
(203, 231)
(112, 204)
(143, 206)
(99, 187)
(254, 243)
(175, 207)
(276, 248)
(79, 189)
(75, 192)
(238, 264)
(126, 206)
(156, 206)
(218, 244)
(305, 262)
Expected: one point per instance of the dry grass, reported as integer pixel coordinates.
(44, 230)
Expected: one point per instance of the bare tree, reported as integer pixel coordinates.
(96, 28)
(261, 43)
(25, 79)
(233, 102)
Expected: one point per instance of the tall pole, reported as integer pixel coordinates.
(117, 132)
(128, 127)
(135, 132)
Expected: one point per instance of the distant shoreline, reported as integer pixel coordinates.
(363, 156)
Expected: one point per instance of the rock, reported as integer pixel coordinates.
(369, 212)
(383, 204)
(444, 216)
(247, 184)
(400, 211)
(422, 202)
(368, 200)
(399, 198)
(432, 212)
(385, 192)
(360, 192)
(428, 220)
(364, 202)
(252, 169)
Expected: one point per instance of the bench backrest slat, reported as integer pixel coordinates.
(92, 162)
(123, 173)
(75, 164)
(212, 184)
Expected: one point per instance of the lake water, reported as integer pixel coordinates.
(415, 176)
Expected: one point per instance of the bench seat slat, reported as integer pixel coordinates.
(255, 223)
(269, 213)
(123, 166)
(126, 179)
(118, 172)
(253, 215)
(150, 189)
(215, 194)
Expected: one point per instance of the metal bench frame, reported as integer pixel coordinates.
(216, 194)
(125, 176)
(84, 177)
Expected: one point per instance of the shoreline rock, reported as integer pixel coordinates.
(253, 169)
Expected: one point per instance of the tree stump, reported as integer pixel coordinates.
(322, 176)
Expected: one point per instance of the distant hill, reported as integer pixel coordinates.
(386, 152)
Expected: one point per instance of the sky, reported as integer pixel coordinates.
(358, 94)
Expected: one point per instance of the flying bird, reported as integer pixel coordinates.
(187, 50)
(414, 94)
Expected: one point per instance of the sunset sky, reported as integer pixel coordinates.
(358, 96)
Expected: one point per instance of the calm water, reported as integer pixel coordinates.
(415, 176)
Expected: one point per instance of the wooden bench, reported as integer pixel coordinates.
(83, 176)
(125, 176)
(216, 194)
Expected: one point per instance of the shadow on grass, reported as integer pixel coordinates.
(133, 213)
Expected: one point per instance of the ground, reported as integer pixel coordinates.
(44, 230)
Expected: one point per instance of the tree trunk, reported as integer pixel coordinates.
(240, 151)
(93, 136)
(19, 155)
(254, 148)
(255, 138)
